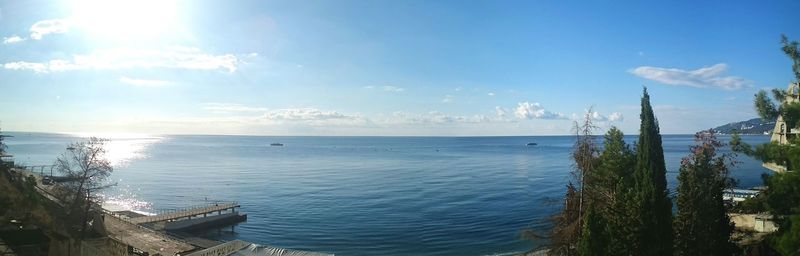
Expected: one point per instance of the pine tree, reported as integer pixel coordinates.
(616, 176)
(702, 226)
(652, 205)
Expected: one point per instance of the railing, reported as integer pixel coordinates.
(185, 212)
(32, 168)
(195, 207)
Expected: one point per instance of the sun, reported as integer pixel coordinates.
(126, 20)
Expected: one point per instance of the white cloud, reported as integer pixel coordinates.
(501, 112)
(13, 39)
(231, 107)
(125, 58)
(387, 88)
(143, 82)
(596, 116)
(435, 117)
(527, 110)
(45, 27)
(22, 65)
(490, 94)
(616, 116)
(448, 98)
(309, 116)
(700, 78)
(390, 88)
(305, 114)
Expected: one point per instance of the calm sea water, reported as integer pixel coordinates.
(356, 195)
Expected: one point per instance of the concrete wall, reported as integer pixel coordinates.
(753, 222)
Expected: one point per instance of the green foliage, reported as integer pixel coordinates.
(783, 195)
(764, 106)
(594, 241)
(651, 203)
(702, 226)
(752, 205)
(779, 95)
(30, 193)
(608, 225)
(791, 50)
(630, 212)
(788, 243)
(617, 164)
(784, 154)
(791, 114)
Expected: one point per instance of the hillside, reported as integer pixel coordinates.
(752, 126)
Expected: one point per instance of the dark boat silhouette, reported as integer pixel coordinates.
(531, 144)
(276, 144)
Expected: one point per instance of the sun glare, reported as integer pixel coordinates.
(128, 20)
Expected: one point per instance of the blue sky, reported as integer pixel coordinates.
(384, 67)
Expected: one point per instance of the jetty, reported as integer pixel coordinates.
(188, 213)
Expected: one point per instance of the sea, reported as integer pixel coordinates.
(355, 195)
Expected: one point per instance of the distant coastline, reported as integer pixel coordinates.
(755, 126)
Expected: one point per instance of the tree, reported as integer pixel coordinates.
(652, 205)
(791, 50)
(788, 243)
(85, 166)
(594, 240)
(615, 192)
(702, 226)
(764, 106)
(565, 237)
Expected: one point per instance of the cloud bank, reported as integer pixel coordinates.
(185, 58)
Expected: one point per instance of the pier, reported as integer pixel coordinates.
(188, 213)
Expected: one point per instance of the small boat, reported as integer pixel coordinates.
(531, 144)
(276, 144)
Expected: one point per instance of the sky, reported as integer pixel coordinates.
(385, 68)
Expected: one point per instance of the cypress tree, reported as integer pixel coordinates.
(702, 227)
(594, 239)
(652, 205)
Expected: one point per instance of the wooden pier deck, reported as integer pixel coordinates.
(186, 213)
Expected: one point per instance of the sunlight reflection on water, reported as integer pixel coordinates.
(121, 150)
